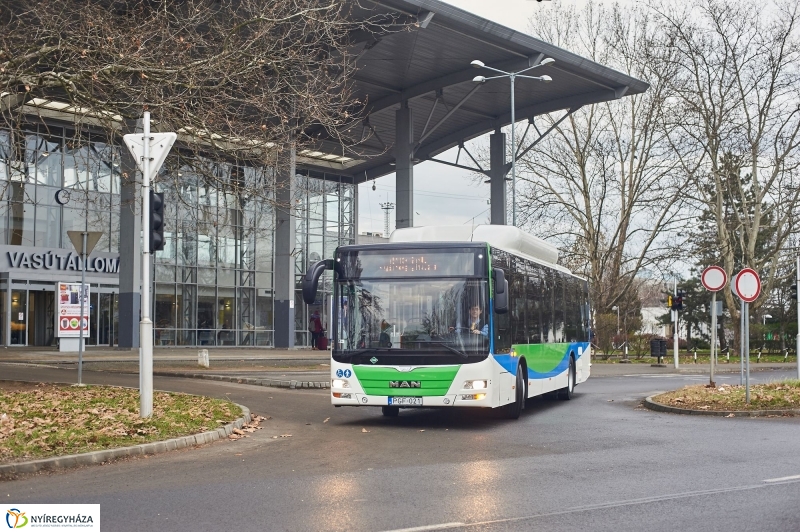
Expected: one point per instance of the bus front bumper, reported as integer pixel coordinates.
(340, 398)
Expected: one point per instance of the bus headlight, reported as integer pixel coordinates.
(475, 385)
(340, 383)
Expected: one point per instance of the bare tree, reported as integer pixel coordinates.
(605, 180)
(238, 79)
(737, 133)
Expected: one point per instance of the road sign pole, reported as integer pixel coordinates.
(150, 150)
(747, 352)
(741, 344)
(82, 295)
(146, 326)
(675, 340)
(713, 334)
(713, 279)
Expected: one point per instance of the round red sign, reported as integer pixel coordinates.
(748, 285)
(714, 278)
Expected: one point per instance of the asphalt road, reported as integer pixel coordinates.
(598, 462)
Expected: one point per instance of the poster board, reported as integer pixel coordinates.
(68, 309)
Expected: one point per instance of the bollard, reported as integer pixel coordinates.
(202, 357)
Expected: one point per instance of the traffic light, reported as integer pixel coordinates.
(679, 300)
(156, 221)
(669, 301)
(794, 291)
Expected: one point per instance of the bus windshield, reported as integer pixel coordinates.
(413, 315)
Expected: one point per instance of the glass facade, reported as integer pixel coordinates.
(325, 220)
(213, 282)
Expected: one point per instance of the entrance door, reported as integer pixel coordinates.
(106, 324)
(41, 317)
(19, 316)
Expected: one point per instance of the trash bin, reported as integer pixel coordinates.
(658, 348)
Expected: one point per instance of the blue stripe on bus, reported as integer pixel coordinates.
(509, 363)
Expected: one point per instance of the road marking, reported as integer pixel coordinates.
(782, 479)
(442, 526)
(655, 375)
(604, 506)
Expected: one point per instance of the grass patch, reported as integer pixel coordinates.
(44, 420)
(689, 359)
(781, 395)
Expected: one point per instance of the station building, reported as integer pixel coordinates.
(230, 271)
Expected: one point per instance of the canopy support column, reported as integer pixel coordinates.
(285, 228)
(404, 166)
(497, 177)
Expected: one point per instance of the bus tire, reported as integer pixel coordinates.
(566, 393)
(513, 410)
(390, 411)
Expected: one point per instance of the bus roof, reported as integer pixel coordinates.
(505, 237)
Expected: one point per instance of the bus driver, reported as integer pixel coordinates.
(475, 325)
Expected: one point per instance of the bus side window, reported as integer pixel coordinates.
(502, 322)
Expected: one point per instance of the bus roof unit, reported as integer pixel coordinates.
(505, 237)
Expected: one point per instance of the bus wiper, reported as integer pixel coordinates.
(362, 351)
(453, 349)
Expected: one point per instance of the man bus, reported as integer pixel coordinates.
(454, 317)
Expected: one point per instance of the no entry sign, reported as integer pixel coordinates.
(748, 285)
(714, 278)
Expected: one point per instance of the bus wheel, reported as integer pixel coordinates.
(390, 411)
(567, 393)
(512, 410)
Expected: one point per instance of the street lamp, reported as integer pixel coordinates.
(512, 76)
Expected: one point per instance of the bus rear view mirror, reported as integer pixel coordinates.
(500, 291)
(311, 279)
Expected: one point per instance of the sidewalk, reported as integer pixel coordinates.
(282, 365)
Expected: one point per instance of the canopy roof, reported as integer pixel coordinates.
(429, 67)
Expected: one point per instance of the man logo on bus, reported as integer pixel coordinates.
(405, 384)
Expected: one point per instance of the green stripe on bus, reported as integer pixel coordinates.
(542, 358)
(433, 381)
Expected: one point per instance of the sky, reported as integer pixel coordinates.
(444, 195)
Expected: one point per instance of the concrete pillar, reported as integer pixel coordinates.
(497, 177)
(404, 166)
(284, 246)
(7, 323)
(130, 251)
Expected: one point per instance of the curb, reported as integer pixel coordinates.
(652, 405)
(292, 384)
(8, 471)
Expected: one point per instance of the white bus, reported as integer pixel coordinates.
(454, 317)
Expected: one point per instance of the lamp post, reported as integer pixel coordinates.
(512, 76)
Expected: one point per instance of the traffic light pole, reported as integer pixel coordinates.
(150, 150)
(146, 325)
(675, 321)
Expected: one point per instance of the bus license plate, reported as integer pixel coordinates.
(405, 401)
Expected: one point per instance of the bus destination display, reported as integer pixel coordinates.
(434, 264)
